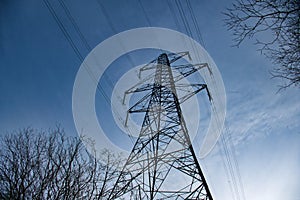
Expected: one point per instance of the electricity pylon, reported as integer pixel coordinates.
(162, 163)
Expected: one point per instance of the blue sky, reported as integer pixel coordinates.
(38, 69)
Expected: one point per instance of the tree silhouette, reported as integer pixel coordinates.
(39, 165)
(281, 18)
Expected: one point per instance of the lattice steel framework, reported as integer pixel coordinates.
(162, 163)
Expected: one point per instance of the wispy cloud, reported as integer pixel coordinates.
(260, 114)
(264, 128)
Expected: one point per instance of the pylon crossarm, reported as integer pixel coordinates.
(196, 88)
(141, 82)
(150, 65)
(141, 105)
(142, 88)
(188, 69)
(176, 56)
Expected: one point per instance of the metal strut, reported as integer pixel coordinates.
(162, 163)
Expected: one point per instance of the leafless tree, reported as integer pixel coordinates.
(281, 18)
(40, 165)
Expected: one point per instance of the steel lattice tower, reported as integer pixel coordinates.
(162, 163)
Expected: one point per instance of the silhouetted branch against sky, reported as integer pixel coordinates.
(281, 19)
(50, 165)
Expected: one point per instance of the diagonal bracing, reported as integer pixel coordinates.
(162, 163)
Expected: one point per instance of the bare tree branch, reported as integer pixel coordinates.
(251, 18)
(37, 165)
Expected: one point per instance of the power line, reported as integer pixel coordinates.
(228, 167)
(77, 29)
(184, 18)
(71, 18)
(88, 47)
(230, 154)
(69, 39)
(111, 25)
(195, 22)
(187, 26)
(145, 13)
(63, 29)
(233, 150)
(74, 47)
(172, 10)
